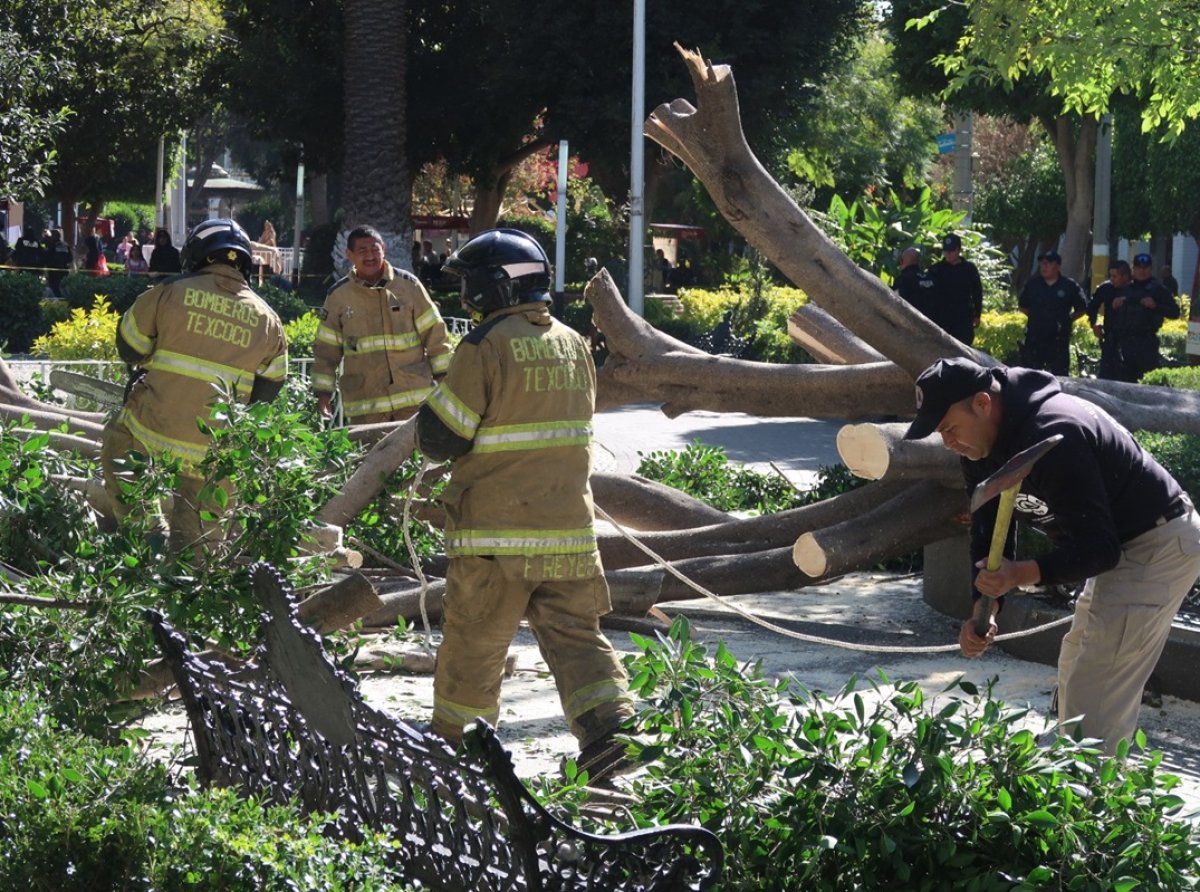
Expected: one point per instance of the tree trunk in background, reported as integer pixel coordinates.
(490, 188)
(1075, 141)
(376, 187)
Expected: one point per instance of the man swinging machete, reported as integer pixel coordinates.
(1116, 518)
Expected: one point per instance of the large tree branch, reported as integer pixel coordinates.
(710, 141)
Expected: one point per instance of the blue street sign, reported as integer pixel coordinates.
(946, 143)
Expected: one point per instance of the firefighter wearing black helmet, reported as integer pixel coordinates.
(514, 414)
(188, 340)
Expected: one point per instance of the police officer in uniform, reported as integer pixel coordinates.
(1142, 313)
(1114, 290)
(185, 339)
(1052, 302)
(58, 261)
(514, 414)
(28, 253)
(959, 291)
(913, 285)
(1115, 517)
(380, 323)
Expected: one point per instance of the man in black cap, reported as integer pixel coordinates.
(958, 291)
(913, 284)
(1052, 302)
(1140, 317)
(1116, 518)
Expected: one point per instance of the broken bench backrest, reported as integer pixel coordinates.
(294, 726)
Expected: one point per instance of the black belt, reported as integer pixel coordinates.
(1178, 507)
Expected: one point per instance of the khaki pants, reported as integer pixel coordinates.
(486, 598)
(1121, 625)
(184, 525)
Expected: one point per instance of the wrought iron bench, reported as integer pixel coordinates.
(292, 725)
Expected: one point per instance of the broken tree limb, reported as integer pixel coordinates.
(642, 504)
(879, 451)
(645, 365)
(709, 139)
(341, 604)
(48, 420)
(827, 340)
(63, 442)
(736, 536)
(635, 590)
(372, 473)
(920, 514)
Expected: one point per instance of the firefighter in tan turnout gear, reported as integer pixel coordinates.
(514, 413)
(188, 341)
(381, 325)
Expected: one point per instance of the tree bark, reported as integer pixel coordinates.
(646, 365)
(879, 451)
(739, 536)
(642, 504)
(709, 139)
(827, 340)
(1075, 142)
(368, 480)
(921, 514)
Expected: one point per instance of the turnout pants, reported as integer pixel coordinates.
(486, 598)
(184, 525)
(1121, 624)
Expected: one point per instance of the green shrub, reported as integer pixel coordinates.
(883, 788)
(301, 333)
(83, 335)
(54, 310)
(1182, 378)
(82, 289)
(288, 304)
(759, 314)
(78, 816)
(1172, 341)
(129, 217)
(20, 311)
(706, 473)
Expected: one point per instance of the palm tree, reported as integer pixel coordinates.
(376, 184)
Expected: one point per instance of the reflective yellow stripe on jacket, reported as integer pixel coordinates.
(391, 403)
(520, 542)
(203, 370)
(455, 414)
(537, 435)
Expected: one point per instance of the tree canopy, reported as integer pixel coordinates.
(1088, 52)
(129, 73)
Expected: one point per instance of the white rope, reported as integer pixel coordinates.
(426, 464)
(813, 639)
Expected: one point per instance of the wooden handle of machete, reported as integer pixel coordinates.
(1004, 513)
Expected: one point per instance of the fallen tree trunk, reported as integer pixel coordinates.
(645, 365)
(879, 451)
(708, 138)
(918, 515)
(739, 536)
(12, 395)
(643, 504)
(827, 340)
(336, 607)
